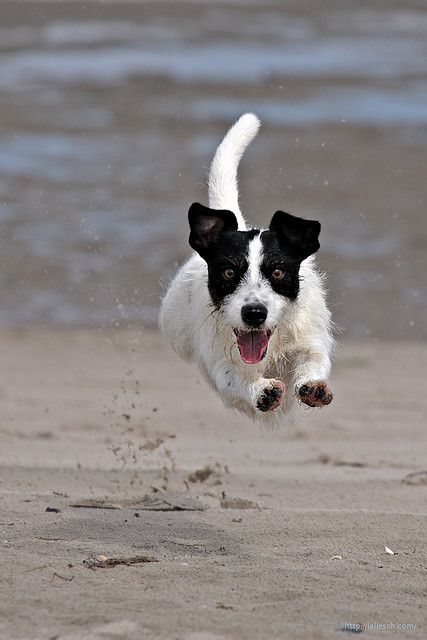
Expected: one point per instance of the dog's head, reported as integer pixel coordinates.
(253, 276)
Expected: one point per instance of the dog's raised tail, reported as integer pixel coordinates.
(222, 183)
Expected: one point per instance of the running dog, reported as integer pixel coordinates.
(249, 305)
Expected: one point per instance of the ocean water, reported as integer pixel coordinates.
(110, 114)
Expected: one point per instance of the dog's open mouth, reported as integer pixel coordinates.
(252, 345)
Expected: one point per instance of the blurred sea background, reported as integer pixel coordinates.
(110, 113)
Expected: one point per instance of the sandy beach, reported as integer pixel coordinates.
(114, 449)
(133, 506)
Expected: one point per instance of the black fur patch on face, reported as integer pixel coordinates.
(230, 255)
(289, 241)
(215, 237)
(275, 258)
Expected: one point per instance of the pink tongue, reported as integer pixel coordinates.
(252, 345)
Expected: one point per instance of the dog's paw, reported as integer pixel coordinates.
(315, 394)
(271, 396)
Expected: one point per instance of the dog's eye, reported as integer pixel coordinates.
(228, 274)
(277, 274)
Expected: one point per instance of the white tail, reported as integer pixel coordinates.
(223, 192)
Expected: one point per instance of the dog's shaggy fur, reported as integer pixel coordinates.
(249, 306)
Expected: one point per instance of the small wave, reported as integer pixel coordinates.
(245, 63)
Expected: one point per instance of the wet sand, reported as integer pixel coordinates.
(105, 419)
(110, 113)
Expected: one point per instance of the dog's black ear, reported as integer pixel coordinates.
(206, 226)
(298, 237)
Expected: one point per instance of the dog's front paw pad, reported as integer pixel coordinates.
(271, 396)
(315, 394)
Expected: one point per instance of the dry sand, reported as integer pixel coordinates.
(98, 418)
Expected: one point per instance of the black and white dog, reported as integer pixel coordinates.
(249, 306)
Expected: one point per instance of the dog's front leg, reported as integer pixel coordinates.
(312, 367)
(262, 394)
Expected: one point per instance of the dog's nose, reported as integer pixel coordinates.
(254, 314)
